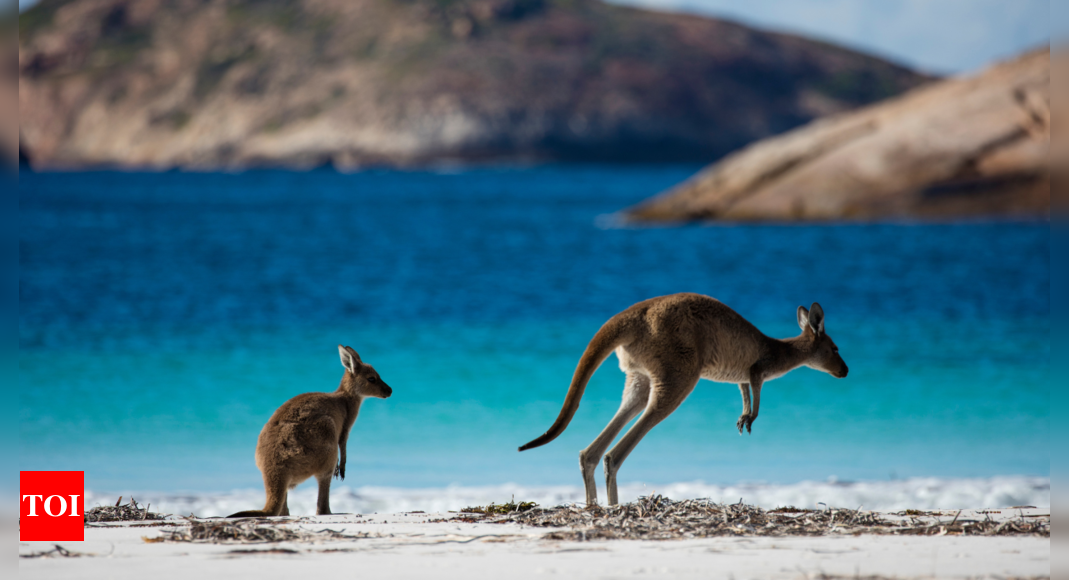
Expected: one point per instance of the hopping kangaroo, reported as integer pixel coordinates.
(665, 345)
(302, 438)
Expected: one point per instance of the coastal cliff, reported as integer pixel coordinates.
(974, 146)
(352, 83)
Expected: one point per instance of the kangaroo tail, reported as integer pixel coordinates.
(601, 346)
(276, 498)
(252, 514)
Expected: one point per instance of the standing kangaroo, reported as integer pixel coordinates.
(302, 438)
(665, 345)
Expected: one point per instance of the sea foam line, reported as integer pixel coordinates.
(915, 493)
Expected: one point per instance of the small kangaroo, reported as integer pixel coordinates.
(665, 345)
(302, 438)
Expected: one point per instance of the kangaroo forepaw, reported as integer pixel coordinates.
(339, 471)
(744, 421)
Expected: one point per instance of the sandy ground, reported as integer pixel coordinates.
(410, 546)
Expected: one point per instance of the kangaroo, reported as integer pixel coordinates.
(302, 438)
(665, 345)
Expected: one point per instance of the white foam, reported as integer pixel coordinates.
(917, 493)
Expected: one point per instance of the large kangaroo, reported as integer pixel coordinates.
(665, 345)
(302, 438)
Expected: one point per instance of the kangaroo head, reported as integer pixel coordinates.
(824, 355)
(365, 380)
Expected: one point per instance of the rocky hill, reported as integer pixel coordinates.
(237, 83)
(9, 90)
(972, 146)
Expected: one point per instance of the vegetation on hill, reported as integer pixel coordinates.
(233, 83)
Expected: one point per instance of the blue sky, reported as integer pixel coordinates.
(941, 36)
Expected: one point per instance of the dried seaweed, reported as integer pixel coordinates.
(129, 512)
(789, 510)
(826, 576)
(249, 531)
(659, 518)
(57, 551)
(501, 509)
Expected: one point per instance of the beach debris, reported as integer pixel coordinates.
(656, 517)
(249, 531)
(128, 512)
(790, 509)
(826, 576)
(56, 552)
(247, 552)
(501, 509)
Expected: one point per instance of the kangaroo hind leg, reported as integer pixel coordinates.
(323, 502)
(744, 418)
(636, 395)
(323, 478)
(665, 397)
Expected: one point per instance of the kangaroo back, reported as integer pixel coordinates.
(610, 336)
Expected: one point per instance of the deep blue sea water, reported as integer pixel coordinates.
(163, 317)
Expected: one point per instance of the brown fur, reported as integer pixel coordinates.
(302, 439)
(665, 345)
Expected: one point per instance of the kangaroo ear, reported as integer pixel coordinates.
(816, 318)
(349, 358)
(803, 317)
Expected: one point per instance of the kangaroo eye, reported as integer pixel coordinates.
(372, 380)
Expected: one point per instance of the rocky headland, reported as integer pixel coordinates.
(975, 146)
(225, 84)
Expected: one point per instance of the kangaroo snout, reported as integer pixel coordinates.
(842, 374)
(387, 391)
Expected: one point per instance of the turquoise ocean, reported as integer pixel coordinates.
(164, 316)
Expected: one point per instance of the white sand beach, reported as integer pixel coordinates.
(919, 493)
(414, 545)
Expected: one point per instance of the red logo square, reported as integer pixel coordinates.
(52, 506)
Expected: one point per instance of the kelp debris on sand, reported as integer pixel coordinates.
(501, 509)
(249, 531)
(56, 552)
(120, 512)
(658, 518)
(827, 576)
